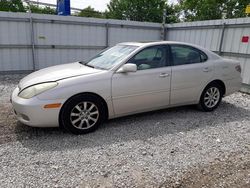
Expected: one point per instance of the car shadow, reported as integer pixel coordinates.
(143, 126)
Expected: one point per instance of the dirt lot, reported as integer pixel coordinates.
(179, 147)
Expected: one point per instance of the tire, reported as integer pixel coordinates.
(210, 98)
(82, 114)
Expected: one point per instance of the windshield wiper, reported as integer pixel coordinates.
(84, 63)
(89, 66)
(94, 67)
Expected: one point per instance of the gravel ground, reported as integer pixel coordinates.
(179, 147)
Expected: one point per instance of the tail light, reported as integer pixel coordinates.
(238, 68)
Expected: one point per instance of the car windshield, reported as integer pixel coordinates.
(110, 57)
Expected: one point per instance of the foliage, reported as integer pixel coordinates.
(235, 8)
(213, 9)
(42, 10)
(141, 10)
(91, 12)
(149, 10)
(12, 5)
(17, 6)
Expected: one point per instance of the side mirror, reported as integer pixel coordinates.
(129, 67)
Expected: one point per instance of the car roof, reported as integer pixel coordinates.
(148, 43)
(152, 43)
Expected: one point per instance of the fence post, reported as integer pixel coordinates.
(32, 42)
(222, 38)
(165, 33)
(107, 34)
(163, 24)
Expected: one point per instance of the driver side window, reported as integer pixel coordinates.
(149, 58)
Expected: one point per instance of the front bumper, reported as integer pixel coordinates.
(32, 112)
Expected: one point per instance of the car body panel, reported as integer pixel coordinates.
(189, 80)
(35, 111)
(140, 90)
(225, 71)
(56, 73)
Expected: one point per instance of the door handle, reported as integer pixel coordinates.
(206, 69)
(164, 75)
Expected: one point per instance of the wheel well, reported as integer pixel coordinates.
(91, 94)
(220, 83)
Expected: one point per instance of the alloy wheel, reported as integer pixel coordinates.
(212, 97)
(84, 115)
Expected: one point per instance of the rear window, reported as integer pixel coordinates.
(182, 55)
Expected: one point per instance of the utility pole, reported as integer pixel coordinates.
(163, 23)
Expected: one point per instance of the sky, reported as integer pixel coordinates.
(99, 5)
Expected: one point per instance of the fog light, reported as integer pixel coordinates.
(26, 118)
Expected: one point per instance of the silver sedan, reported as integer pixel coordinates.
(125, 79)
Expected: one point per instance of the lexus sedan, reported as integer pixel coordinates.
(125, 79)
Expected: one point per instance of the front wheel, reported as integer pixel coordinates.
(82, 114)
(210, 97)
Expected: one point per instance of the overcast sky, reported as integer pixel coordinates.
(100, 5)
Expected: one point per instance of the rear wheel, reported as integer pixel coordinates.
(82, 114)
(210, 97)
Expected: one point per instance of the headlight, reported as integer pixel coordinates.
(36, 90)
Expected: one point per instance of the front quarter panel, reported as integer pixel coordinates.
(99, 83)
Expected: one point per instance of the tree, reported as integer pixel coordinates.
(213, 9)
(42, 10)
(141, 10)
(235, 8)
(90, 12)
(12, 5)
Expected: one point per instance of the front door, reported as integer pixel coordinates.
(146, 89)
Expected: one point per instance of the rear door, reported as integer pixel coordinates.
(191, 71)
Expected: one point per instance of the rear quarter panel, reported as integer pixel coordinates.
(226, 72)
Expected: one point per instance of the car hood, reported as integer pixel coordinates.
(55, 73)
